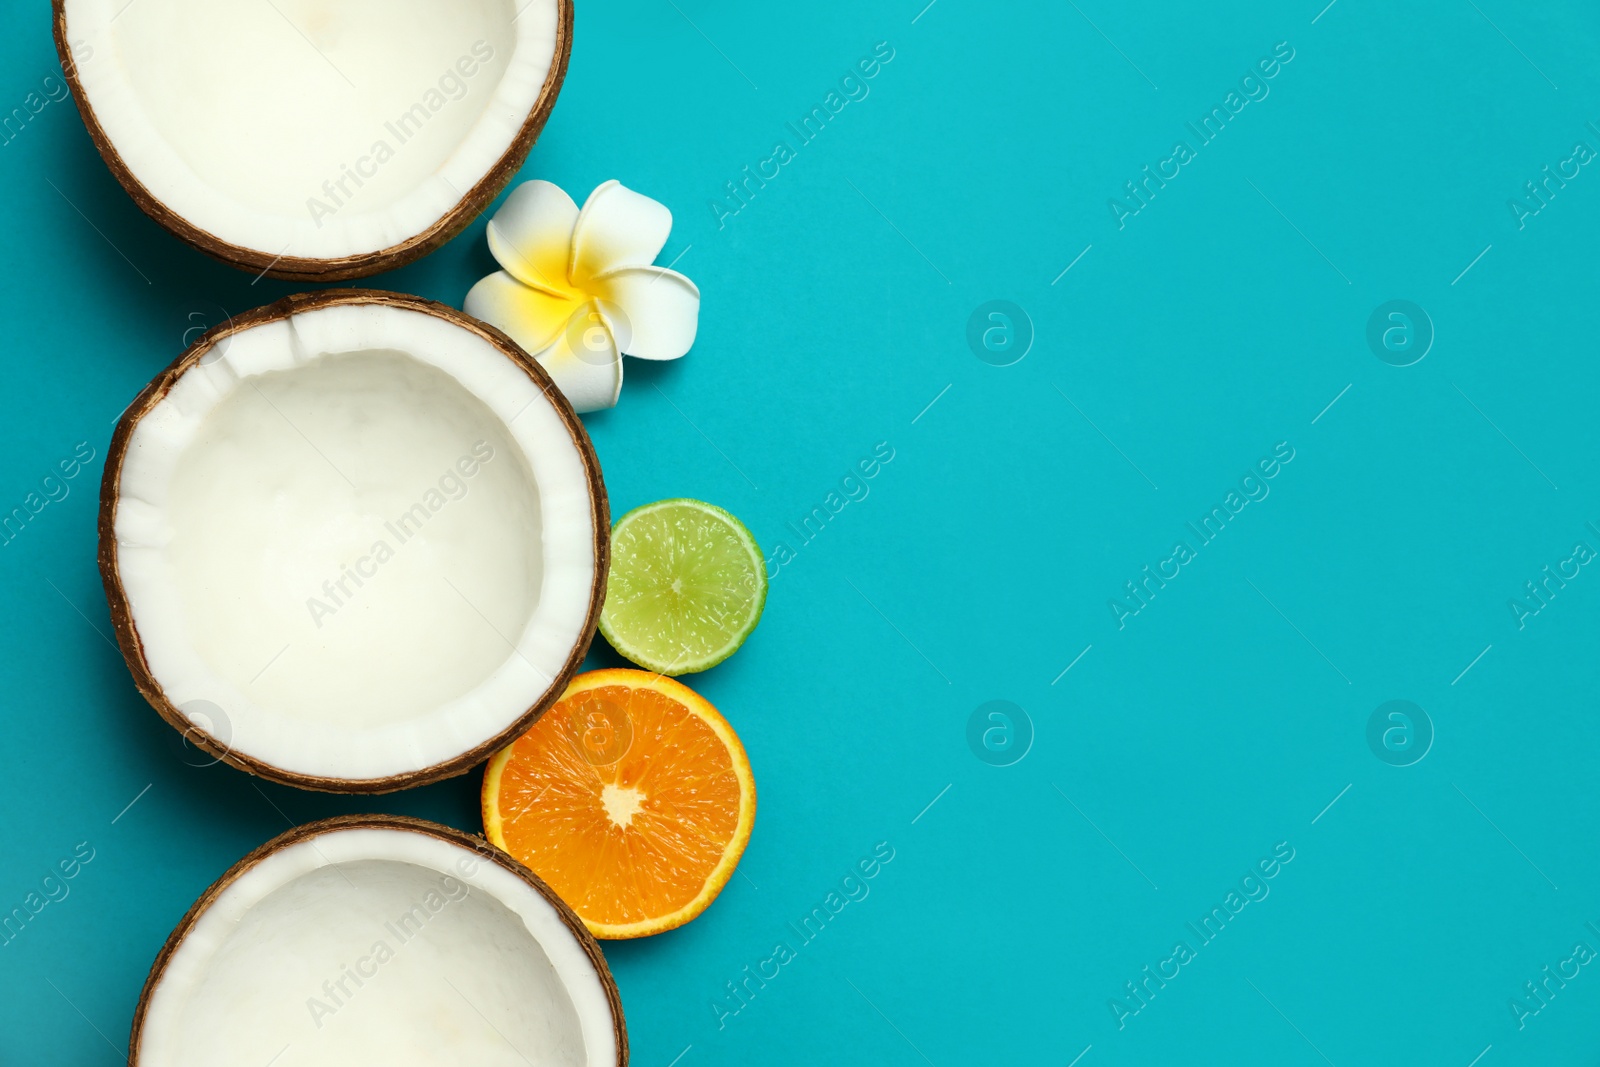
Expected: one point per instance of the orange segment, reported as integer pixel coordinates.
(631, 797)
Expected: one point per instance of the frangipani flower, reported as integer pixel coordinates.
(578, 289)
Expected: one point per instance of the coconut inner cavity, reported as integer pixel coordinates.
(350, 105)
(355, 539)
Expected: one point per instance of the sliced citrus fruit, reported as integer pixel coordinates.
(687, 586)
(631, 797)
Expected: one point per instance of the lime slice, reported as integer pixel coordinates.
(687, 586)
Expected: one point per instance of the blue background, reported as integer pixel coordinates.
(1178, 750)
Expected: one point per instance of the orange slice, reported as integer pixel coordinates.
(631, 797)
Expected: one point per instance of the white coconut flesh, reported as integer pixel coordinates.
(378, 945)
(312, 128)
(356, 543)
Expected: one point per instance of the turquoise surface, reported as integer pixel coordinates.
(1169, 751)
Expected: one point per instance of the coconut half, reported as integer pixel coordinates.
(353, 541)
(379, 939)
(310, 139)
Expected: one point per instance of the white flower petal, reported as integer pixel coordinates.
(617, 228)
(653, 312)
(531, 235)
(533, 318)
(584, 361)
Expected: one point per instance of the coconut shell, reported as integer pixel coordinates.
(342, 268)
(129, 641)
(472, 843)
